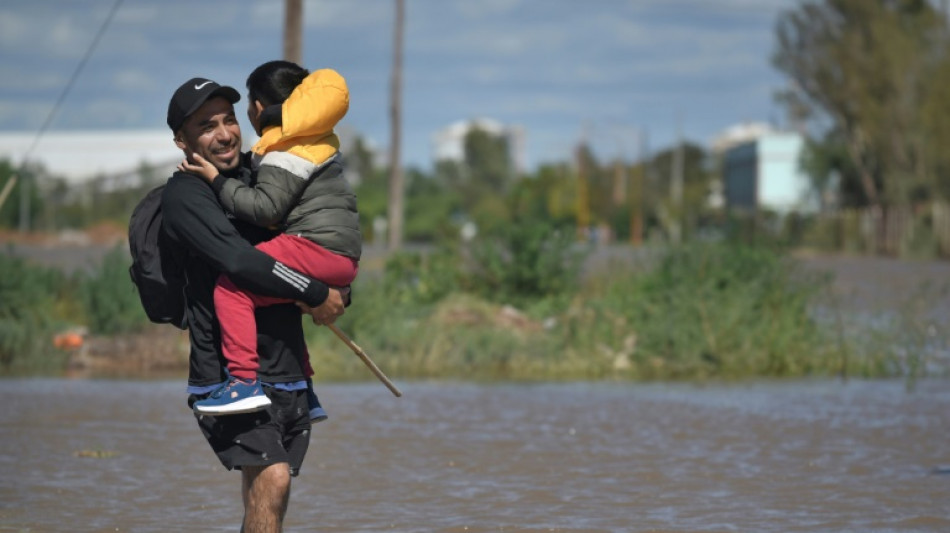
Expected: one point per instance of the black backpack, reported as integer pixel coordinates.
(157, 265)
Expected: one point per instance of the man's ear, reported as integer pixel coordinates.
(179, 141)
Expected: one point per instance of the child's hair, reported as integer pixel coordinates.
(272, 82)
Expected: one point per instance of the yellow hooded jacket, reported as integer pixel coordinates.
(308, 117)
(300, 185)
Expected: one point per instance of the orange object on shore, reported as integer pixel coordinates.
(68, 341)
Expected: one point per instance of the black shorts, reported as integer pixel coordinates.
(278, 434)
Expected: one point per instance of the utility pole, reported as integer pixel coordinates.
(396, 186)
(293, 30)
(619, 191)
(24, 205)
(636, 193)
(582, 199)
(676, 186)
(583, 193)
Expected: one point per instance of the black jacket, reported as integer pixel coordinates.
(218, 244)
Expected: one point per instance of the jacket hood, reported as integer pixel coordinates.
(311, 111)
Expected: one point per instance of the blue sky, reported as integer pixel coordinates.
(561, 69)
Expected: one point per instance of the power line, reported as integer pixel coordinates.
(24, 191)
(72, 79)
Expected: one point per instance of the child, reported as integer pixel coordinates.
(301, 190)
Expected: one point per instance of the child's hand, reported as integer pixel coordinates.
(201, 167)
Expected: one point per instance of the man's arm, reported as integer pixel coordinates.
(192, 216)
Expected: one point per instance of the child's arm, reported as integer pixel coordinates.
(280, 183)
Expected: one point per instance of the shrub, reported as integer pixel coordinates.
(110, 302)
(709, 310)
(28, 296)
(528, 260)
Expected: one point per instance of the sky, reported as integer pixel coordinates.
(609, 72)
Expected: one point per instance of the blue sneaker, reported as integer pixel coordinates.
(234, 397)
(317, 414)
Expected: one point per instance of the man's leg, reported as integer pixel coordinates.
(266, 491)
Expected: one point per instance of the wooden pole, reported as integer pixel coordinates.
(293, 30)
(396, 185)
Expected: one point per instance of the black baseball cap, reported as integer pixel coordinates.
(189, 97)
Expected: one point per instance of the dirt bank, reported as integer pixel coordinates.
(159, 351)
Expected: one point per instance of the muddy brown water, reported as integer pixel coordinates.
(96, 455)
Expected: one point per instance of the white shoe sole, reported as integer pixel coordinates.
(247, 405)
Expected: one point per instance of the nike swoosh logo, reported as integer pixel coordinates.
(198, 87)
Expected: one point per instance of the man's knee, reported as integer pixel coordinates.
(277, 476)
(269, 481)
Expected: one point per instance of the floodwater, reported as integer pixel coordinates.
(93, 455)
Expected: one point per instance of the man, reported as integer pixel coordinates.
(267, 446)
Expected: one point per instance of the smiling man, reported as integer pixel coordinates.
(267, 446)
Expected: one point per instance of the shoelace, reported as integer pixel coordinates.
(223, 388)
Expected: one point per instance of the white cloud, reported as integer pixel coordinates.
(342, 14)
(66, 36)
(137, 14)
(13, 28)
(549, 64)
(25, 79)
(101, 113)
(28, 115)
(536, 104)
(491, 38)
(132, 79)
(485, 8)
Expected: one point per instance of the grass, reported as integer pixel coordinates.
(697, 312)
(701, 312)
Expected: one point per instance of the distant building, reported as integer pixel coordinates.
(78, 156)
(764, 173)
(739, 134)
(449, 143)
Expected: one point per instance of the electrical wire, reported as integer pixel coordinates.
(8, 187)
(71, 82)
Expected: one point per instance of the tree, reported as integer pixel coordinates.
(18, 199)
(487, 161)
(875, 72)
(429, 208)
(481, 180)
(826, 162)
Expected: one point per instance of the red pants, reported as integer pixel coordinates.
(235, 307)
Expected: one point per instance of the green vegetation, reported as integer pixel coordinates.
(872, 78)
(699, 311)
(109, 301)
(29, 299)
(36, 303)
(704, 311)
(868, 81)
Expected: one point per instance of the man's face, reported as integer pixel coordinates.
(212, 132)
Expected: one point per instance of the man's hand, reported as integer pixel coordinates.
(330, 310)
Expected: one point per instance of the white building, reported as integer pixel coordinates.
(79, 156)
(739, 134)
(764, 173)
(449, 142)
